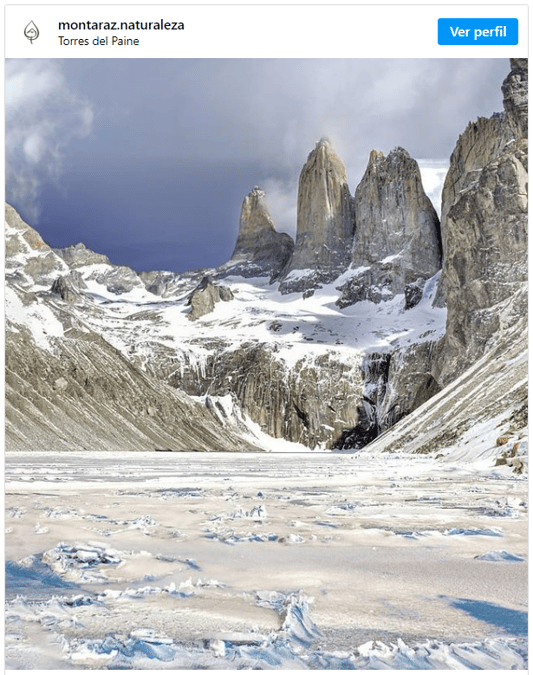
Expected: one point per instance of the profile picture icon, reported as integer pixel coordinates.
(31, 32)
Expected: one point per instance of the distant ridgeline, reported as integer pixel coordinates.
(376, 310)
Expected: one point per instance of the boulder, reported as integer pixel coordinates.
(204, 297)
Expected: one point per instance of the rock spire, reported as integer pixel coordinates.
(397, 233)
(324, 222)
(260, 250)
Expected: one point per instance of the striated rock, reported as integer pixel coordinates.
(477, 146)
(67, 388)
(69, 287)
(260, 250)
(492, 391)
(85, 395)
(515, 97)
(30, 261)
(324, 225)
(485, 244)
(395, 384)
(204, 297)
(397, 233)
(311, 401)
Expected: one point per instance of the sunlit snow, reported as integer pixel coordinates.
(315, 561)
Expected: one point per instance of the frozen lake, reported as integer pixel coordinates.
(269, 561)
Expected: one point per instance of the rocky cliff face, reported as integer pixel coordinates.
(515, 97)
(324, 222)
(398, 378)
(397, 244)
(488, 401)
(485, 232)
(478, 145)
(260, 250)
(79, 393)
(309, 401)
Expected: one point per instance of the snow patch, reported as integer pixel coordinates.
(35, 316)
(499, 556)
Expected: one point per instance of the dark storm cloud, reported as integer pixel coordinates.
(149, 160)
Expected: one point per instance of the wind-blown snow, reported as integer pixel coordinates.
(320, 561)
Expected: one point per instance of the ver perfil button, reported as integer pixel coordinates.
(492, 32)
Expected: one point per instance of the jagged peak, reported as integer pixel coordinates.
(378, 157)
(258, 192)
(260, 248)
(324, 154)
(515, 98)
(323, 142)
(398, 159)
(323, 148)
(398, 151)
(519, 64)
(255, 214)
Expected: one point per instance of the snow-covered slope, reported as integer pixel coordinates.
(480, 416)
(68, 387)
(294, 366)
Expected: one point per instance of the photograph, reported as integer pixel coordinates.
(266, 363)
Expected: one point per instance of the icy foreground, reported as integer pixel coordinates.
(264, 561)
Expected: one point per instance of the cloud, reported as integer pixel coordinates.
(433, 173)
(281, 199)
(178, 143)
(43, 115)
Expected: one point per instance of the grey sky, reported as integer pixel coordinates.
(149, 160)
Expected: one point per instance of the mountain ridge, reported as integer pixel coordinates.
(326, 342)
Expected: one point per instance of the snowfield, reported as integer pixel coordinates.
(304, 326)
(227, 561)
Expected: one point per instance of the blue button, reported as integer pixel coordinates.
(478, 32)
